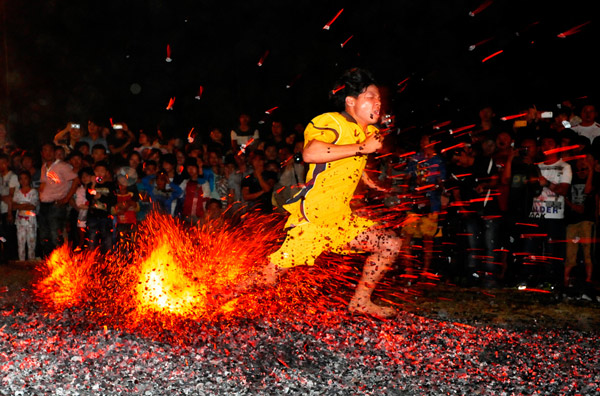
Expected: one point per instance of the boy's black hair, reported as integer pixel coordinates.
(352, 83)
(98, 146)
(191, 161)
(79, 144)
(169, 158)
(102, 163)
(87, 169)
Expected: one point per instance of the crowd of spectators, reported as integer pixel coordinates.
(491, 204)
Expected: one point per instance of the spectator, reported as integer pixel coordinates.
(473, 181)
(75, 159)
(9, 182)
(215, 142)
(243, 133)
(221, 191)
(83, 147)
(28, 164)
(292, 177)
(548, 212)
(276, 135)
(94, 136)
(99, 153)
(588, 126)
(196, 192)
(135, 162)
(120, 139)
(162, 193)
(68, 137)
(169, 164)
(81, 205)
(125, 210)
(257, 187)
(580, 216)
(427, 173)
(101, 194)
(60, 153)
(58, 183)
(520, 175)
(26, 202)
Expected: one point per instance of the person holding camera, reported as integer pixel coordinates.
(68, 137)
(58, 183)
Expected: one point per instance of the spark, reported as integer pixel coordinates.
(200, 91)
(463, 128)
(293, 81)
(244, 146)
(511, 117)
(168, 59)
(336, 90)
(346, 42)
(261, 61)
(572, 31)
(271, 110)
(491, 56)
(473, 46)
(328, 25)
(171, 103)
(481, 7)
(190, 137)
(561, 149)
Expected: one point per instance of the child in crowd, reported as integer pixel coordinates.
(26, 202)
(101, 193)
(162, 194)
(80, 203)
(125, 210)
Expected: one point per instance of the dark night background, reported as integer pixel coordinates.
(67, 61)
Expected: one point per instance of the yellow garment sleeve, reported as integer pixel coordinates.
(324, 128)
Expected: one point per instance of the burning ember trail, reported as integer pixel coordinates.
(176, 275)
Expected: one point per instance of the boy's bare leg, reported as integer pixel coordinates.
(385, 247)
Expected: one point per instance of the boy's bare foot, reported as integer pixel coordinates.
(357, 307)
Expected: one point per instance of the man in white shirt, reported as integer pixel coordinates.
(545, 243)
(9, 182)
(588, 126)
(58, 183)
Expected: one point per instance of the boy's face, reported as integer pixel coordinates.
(150, 169)
(366, 106)
(100, 171)
(192, 171)
(86, 178)
(24, 179)
(3, 165)
(98, 154)
(161, 181)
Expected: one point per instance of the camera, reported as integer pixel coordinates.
(98, 180)
(76, 126)
(117, 126)
(546, 114)
(298, 158)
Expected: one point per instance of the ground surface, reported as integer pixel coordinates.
(446, 340)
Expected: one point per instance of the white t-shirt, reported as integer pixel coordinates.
(548, 204)
(8, 181)
(243, 139)
(26, 216)
(589, 132)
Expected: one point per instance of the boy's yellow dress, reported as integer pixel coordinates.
(320, 215)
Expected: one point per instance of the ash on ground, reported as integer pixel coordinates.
(323, 353)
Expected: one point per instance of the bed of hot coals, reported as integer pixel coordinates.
(149, 324)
